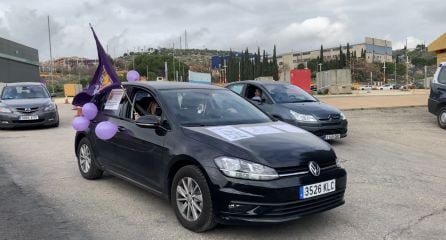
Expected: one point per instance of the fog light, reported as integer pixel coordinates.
(240, 207)
(5, 122)
(50, 119)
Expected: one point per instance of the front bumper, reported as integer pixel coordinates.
(45, 118)
(323, 128)
(433, 106)
(244, 201)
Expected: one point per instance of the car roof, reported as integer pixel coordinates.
(260, 82)
(23, 84)
(162, 85)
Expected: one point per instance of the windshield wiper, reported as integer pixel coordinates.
(300, 101)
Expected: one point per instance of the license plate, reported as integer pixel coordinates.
(332, 137)
(29, 117)
(317, 189)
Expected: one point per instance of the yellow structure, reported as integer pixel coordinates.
(439, 48)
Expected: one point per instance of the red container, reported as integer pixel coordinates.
(301, 78)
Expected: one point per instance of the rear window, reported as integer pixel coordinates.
(24, 92)
(442, 75)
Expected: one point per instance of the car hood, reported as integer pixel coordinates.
(283, 148)
(318, 109)
(34, 102)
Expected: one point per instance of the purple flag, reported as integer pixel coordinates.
(104, 78)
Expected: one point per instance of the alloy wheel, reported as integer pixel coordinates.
(443, 117)
(85, 158)
(189, 199)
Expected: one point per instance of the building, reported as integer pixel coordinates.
(72, 62)
(377, 50)
(18, 63)
(438, 46)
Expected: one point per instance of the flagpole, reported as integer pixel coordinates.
(51, 56)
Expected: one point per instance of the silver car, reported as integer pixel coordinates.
(26, 105)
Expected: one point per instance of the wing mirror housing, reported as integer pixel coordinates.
(148, 121)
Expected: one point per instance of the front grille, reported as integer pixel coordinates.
(27, 110)
(306, 206)
(323, 132)
(302, 168)
(28, 121)
(331, 117)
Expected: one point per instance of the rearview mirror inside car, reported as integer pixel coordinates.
(148, 121)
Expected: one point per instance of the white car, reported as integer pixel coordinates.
(386, 87)
(364, 87)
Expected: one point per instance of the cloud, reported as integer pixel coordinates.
(412, 42)
(308, 34)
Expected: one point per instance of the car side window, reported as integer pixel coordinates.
(143, 103)
(256, 94)
(442, 75)
(102, 99)
(237, 88)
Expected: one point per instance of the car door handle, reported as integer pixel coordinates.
(121, 128)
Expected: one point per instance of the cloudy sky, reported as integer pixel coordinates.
(299, 25)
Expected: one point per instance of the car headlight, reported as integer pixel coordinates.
(343, 116)
(5, 110)
(303, 117)
(50, 107)
(237, 168)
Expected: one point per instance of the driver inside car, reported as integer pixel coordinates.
(257, 95)
(152, 109)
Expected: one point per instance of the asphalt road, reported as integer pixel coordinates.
(396, 189)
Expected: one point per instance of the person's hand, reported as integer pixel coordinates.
(136, 115)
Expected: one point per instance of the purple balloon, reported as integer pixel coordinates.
(80, 123)
(106, 130)
(132, 76)
(89, 110)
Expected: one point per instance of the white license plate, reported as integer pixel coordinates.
(317, 189)
(29, 117)
(332, 137)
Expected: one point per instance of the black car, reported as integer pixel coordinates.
(216, 157)
(437, 97)
(293, 105)
(26, 104)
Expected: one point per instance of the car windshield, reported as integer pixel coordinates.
(205, 107)
(24, 92)
(287, 93)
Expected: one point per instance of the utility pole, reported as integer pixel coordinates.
(51, 56)
(173, 62)
(239, 73)
(407, 71)
(133, 60)
(395, 70)
(320, 67)
(371, 78)
(384, 72)
(147, 72)
(165, 71)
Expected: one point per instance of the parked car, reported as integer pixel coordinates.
(365, 87)
(26, 104)
(291, 104)
(437, 96)
(386, 87)
(216, 157)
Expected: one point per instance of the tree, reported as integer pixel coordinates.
(275, 67)
(321, 55)
(348, 54)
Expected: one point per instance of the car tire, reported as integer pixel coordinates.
(86, 160)
(441, 118)
(192, 176)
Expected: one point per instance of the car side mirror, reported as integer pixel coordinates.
(148, 121)
(53, 95)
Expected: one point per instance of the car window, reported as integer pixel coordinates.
(442, 75)
(287, 93)
(24, 92)
(204, 107)
(103, 99)
(143, 103)
(237, 88)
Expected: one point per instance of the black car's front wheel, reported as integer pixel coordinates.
(441, 118)
(86, 160)
(191, 199)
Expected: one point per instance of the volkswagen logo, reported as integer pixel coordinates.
(314, 168)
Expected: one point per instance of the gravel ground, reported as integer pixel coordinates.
(396, 189)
